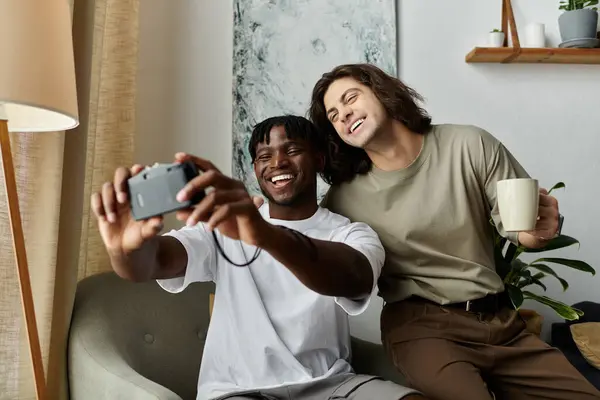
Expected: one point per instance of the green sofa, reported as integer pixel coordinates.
(134, 341)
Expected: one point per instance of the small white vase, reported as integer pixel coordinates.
(496, 39)
(535, 35)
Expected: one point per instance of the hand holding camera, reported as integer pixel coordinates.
(228, 207)
(130, 209)
(120, 231)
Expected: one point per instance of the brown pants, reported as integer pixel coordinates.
(449, 354)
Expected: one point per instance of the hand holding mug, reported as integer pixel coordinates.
(548, 220)
(524, 207)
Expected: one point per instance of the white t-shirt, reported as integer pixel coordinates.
(267, 329)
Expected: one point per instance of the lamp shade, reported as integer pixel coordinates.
(37, 68)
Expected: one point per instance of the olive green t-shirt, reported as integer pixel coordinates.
(433, 217)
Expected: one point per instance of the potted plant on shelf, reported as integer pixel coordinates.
(519, 275)
(496, 38)
(579, 23)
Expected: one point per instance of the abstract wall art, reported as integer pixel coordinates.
(282, 47)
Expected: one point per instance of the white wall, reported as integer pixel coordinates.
(547, 115)
(184, 96)
(184, 82)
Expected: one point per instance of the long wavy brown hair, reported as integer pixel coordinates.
(344, 162)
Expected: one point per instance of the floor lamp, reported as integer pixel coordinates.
(37, 94)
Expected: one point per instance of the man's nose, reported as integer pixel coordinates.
(345, 113)
(279, 160)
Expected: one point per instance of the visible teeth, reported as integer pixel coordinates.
(281, 177)
(356, 124)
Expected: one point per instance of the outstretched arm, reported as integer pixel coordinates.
(329, 268)
(326, 267)
(136, 251)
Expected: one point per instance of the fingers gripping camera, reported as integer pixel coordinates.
(153, 190)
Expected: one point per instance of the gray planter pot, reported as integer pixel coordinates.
(578, 24)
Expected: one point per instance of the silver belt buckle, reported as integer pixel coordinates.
(468, 306)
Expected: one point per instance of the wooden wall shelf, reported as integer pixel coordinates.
(507, 55)
(518, 54)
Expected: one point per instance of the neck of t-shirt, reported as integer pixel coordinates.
(410, 167)
(395, 148)
(296, 212)
(297, 224)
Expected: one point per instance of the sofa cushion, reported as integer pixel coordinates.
(587, 339)
(562, 339)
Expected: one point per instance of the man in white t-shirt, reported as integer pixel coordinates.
(287, 273)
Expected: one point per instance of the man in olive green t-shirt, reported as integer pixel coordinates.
(429, 191)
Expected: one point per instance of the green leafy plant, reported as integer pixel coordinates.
(499, 31)
(571, 5)
(519, 275)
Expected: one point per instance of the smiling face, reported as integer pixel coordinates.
(286, 169)
(354, 111)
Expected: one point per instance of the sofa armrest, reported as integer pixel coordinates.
(98, 371)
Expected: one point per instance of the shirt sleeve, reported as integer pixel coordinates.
(201, 265)
(499, 164)
(362, 238)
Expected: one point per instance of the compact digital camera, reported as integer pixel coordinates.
(152, 192)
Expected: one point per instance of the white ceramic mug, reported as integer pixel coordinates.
(518, 201)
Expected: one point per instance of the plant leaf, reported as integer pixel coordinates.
(513, 252)
(516, 296)
(520, 250)
(518, 265)
(531, 280)
(575, 264)
(514, 272)
(565, 311)
(523, 283)
(539, 283)
(546, 269)
(558, 242)
(523, 278)
(524, 274)
(559, 185)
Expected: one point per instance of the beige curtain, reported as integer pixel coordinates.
(56, 173)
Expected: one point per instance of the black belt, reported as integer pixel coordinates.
(488, 304)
